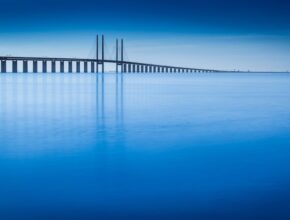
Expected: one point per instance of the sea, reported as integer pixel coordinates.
(145, 146)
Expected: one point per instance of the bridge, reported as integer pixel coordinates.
(92, 65)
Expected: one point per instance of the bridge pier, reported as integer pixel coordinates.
(62, 66)
(129, 68)
(124, 67)
(44, 66)
(70, 67)
(14, 66)
(3, 66)
(25, 66)
(78, 67)
(92, 67)
(53, 68)
(35, 67)
(85, 66)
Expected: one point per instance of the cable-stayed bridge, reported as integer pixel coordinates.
(93, 65)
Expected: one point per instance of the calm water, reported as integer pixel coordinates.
(144, 146)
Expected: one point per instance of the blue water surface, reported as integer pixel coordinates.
(145, 146)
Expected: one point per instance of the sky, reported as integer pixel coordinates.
(220, 34)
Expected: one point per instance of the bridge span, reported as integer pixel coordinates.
(93, 65)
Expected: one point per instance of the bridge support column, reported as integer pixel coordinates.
(3, 66)
(62, 66)
(44, 66)
(129, 67)
(92, 67)
(53, 69)
(85, 67)
(14, 66)
(142, 69)
(125, 67)
(35, 66)
(78, 67)
(25, 66)
(146, 69)
(70, 67)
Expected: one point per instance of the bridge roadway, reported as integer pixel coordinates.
(126, 66)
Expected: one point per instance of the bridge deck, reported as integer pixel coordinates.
(59, 59)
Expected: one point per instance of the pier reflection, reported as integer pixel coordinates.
(110, 101)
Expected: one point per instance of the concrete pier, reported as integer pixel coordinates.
(70, 67)
(53, 68)
(62, 66)
(44, 66)
(85, 67)
(78, 67)
(92, 67)
(25, 66)
(124, 67)
(3, 66)
(35, 66)
(14, 66)
(129, 68)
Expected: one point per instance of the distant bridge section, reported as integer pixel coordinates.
(95, 65)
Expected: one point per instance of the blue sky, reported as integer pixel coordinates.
(236, 34)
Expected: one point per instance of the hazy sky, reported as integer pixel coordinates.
(223, 34)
